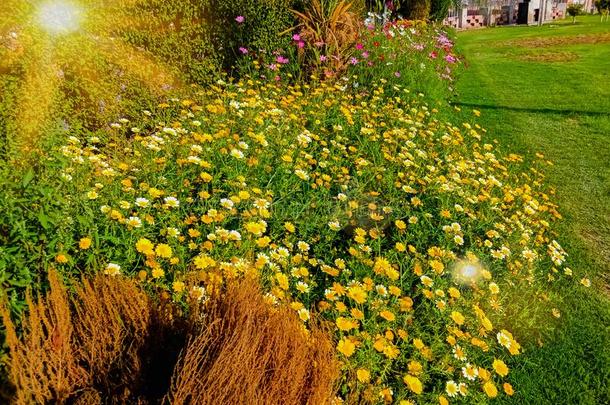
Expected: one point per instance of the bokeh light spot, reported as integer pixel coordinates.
(467, 272)
(59, 16)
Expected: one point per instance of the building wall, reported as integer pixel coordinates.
(502, 12)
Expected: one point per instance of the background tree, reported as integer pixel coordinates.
(573, 10)
(414, 9)
(603, 8)
(439, 9)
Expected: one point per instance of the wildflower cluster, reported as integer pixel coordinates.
(406, 50)
(402, 51)
(403, 230)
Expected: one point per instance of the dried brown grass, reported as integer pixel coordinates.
(74, 343)
(109, 342)
(249, 352)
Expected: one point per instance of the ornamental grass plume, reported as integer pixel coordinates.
(329, 29)
(252, 353)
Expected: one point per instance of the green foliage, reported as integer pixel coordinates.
(260, 30)
(574, 9)
(602, 6)
(415, 9)
(182, 33)
(31, 225)
(440, 8)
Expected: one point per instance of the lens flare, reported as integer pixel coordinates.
(467, 272)
(59, 17)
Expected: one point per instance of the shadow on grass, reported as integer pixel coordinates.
(531, 110)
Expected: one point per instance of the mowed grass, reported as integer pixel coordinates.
(547, 90)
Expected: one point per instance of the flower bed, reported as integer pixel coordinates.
(412, 235)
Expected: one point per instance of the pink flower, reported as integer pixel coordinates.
(277, 78)
(365, 54)
(243, 50)
(281, 59)
(272, 66)
(301, 44)
(323, 58)
(397, 74)
(240, 19)
(450, 58)
(353, 60)
(433, 55)
(296, 37)
(359, 46)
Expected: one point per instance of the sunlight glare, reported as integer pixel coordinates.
(59, 16)
(467, 272)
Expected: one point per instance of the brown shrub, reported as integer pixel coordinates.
(109, 342)
(112, 319)
(74, 343)
(249, 352)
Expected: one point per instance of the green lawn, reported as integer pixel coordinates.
(547, 89)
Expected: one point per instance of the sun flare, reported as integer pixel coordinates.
(59, 17)
(467, 272)
(49, 46)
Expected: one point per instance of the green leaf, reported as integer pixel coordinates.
(27, 178)
(43, 219)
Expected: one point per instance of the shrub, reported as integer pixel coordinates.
(440, 8)
(66, 351)
(118, 60)
(251, 353)
(260, 29)
(110, 343)
(573, 10)
(181, 34)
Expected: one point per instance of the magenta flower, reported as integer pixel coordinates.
(296, 37)
(301, 44)
(243, 50)
(281, 59)
(240, 19)
(359, 46)
(450, 58)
